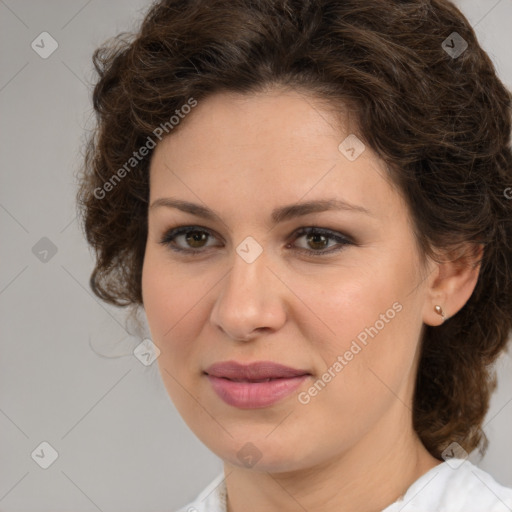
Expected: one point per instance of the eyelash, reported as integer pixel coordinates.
(170, 235)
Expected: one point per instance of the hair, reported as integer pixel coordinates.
(441, 122)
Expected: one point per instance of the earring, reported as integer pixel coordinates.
(439, 311)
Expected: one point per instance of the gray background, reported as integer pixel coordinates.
(67, 375)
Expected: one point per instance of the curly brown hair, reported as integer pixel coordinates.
(440, 120)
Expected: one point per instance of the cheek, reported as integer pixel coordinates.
(170, 300)
(171, 306)
(347, 303)
(157, 295)
(370, 327)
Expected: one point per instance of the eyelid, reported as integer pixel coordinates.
(170, 234)
(341, 239)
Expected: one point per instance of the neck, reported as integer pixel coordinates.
(367, 478)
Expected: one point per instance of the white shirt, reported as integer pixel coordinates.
(455, 485)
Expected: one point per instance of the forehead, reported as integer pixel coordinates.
(271, 148)
(270, 123)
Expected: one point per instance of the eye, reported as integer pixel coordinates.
(196, 238)
(319, 238)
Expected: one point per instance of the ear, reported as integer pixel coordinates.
(452, 282)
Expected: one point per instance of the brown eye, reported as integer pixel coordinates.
(317, 239)
(196, 238)
(192, 239)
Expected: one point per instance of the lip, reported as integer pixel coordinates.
(255, 385)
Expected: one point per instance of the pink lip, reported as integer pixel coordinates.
(255, 385)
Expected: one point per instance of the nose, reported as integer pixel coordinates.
(250, 301)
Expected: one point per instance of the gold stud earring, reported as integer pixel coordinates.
(439, 311)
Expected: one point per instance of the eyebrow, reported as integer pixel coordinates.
(281, 214)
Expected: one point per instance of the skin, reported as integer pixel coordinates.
(352, 447)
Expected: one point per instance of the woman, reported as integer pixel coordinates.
(308, 199)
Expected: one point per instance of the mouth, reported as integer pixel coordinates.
(259, 371)
(255, 385)
(251, 380)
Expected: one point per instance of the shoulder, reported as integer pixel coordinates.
(211, 499)
(455, 486)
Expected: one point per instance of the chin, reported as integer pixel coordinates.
(263, 452)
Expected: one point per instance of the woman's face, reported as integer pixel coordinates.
(346, 317)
